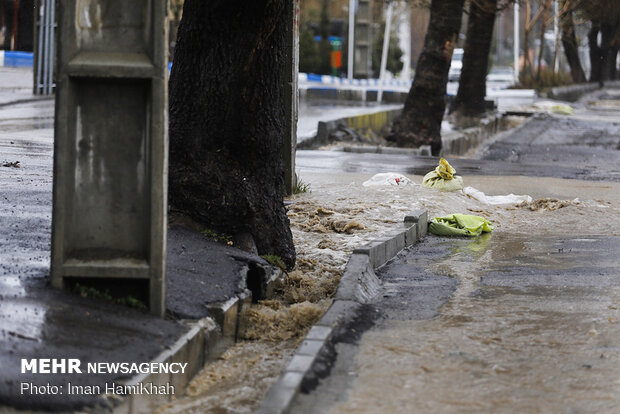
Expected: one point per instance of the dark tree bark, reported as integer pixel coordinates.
(569, 41)
(469, 99)
(546, 5)
(227, 120)
(420, 122)
(596, 58)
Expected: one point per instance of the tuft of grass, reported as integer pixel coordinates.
(90, 292)
(301, 187)
(274, 260)
(218, 237)
(548, 79)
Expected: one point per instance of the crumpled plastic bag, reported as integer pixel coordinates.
(496, 200)
(459, 225)
(442, 178)
(384, 179)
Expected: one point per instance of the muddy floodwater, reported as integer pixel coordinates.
(496, 331)
(532, 327)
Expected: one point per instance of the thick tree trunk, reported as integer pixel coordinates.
(595, 54)
(469, 99)
(420, 122)
(609, 51)
(227, 120)
(569, 41)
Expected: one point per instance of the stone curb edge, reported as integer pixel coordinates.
(358, 285)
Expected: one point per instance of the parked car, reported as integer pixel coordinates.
(456, 65)
(503, 74)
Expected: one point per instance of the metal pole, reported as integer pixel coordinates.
(351, 39)
(500, 35)
(386, 45)
(406, 36)
(556, 32)
(46, 46)
(40, 51)
(52, 41)
(516, 41)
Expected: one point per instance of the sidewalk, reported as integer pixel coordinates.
(206, 282)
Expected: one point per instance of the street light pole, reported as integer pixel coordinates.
(516, 41)
(351, 39)
(386, 46)
(556, 33)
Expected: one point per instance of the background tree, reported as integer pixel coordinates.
(325, 47)
(569, 41)
(545, 7)
(309, 59)
(420, 122)
(227, 120)
(469, 100)
(605, 18)
(530, 22)
(394, 63)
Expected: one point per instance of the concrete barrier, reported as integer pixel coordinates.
(373, 121)
(571, 93)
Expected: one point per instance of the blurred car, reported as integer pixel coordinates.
(503, 74)
(456, 65)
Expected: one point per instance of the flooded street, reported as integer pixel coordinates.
(530, 327)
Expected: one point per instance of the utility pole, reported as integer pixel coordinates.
(384, 53)
(351, 39)
(516, 41)
(556, 38)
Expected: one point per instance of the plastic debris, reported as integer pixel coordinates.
(442, 178)
(495, 200)
(383, 179)
(459, 225)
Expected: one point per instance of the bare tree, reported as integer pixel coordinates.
(420, 122)
(469, 99)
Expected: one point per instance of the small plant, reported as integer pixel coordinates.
(90, 292)
(274, 261)
(301, 187)
(548, 79)
(222, 238)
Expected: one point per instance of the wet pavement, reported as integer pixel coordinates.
(500, 323)
(37, 321)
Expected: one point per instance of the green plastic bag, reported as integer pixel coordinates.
(459, 225)
(442, 178)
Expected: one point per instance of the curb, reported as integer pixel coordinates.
(424, 150)
(358, 285)
(460, 142)
(195, 347)
(374, 121)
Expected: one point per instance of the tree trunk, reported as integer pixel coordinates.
(569, 41)
(420, 122)
(595, 54)
(527, 63)
(609, 51)
(469, 99)
(543, 26)
(227, 120)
